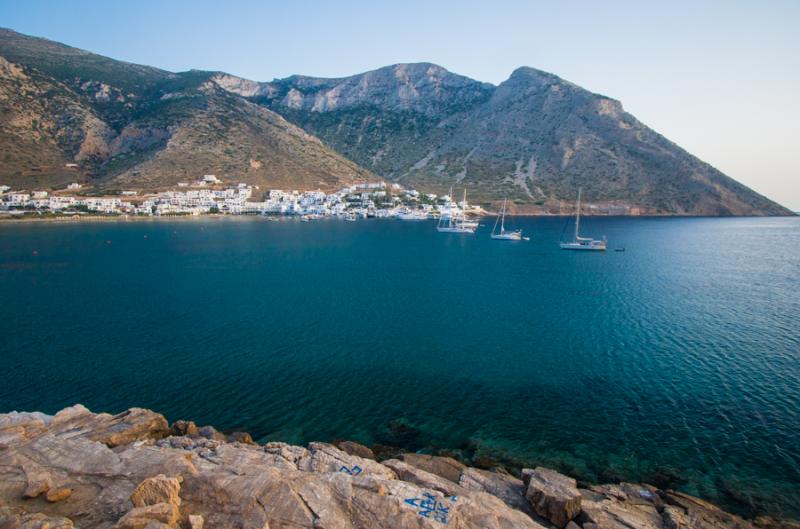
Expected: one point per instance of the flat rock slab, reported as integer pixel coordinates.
(506, 487)
(446, 467)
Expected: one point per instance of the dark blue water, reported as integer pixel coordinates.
(676, 361)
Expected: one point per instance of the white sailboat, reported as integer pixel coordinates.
(503, 235)
(583, 243)
(469, 223)
(452, 224)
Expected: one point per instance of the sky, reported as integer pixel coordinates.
(719, 78)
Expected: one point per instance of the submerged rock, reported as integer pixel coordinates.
(770, 522)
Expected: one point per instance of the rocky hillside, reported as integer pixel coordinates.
(137, 127)
(534, 138)
(134, 471)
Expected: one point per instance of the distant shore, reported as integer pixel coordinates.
(30, 218)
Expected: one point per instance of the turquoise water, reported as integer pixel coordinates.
(676, 361)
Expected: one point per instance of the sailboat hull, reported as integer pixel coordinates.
(596, 246)
(516, 236)
(455, 229)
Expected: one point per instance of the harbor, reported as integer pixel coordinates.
(210, 196)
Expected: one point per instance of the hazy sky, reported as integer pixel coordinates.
(721, 79)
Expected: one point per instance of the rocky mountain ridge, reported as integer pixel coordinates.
(135, 471)
(68, 114)
(535, 138)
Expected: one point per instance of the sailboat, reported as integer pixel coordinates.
(583, 243)
(503, 235)
(451, 224)
(464, 220)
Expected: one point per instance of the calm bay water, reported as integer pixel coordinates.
(678, 359)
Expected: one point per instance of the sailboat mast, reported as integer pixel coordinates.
(450, 215)
(578, 215)
(503, 221)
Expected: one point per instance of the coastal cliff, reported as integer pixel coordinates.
(135, 471)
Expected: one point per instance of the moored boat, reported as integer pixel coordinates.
(503, 234)
(457, 224)
(583, 243)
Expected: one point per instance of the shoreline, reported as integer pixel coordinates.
(73, 455)
(22, 219)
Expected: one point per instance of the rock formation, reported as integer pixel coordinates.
(553, 496)
(131, 471)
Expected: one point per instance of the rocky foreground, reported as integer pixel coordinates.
(135, 471)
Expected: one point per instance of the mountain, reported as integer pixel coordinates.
(535, 138)
(133, 126)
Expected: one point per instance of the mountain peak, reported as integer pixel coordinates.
(534, 139)
(421, 87)
(529, 75)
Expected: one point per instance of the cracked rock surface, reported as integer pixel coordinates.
(126, 471)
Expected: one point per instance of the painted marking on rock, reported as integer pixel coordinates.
(355, 471)
(429, 507)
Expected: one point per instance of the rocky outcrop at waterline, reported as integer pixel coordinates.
(134, 471)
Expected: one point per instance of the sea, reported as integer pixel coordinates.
(675, 361)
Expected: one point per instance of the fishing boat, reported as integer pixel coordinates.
(457, 224)
(503, 234)
(582, 243)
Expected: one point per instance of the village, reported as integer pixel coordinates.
(210, 196)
